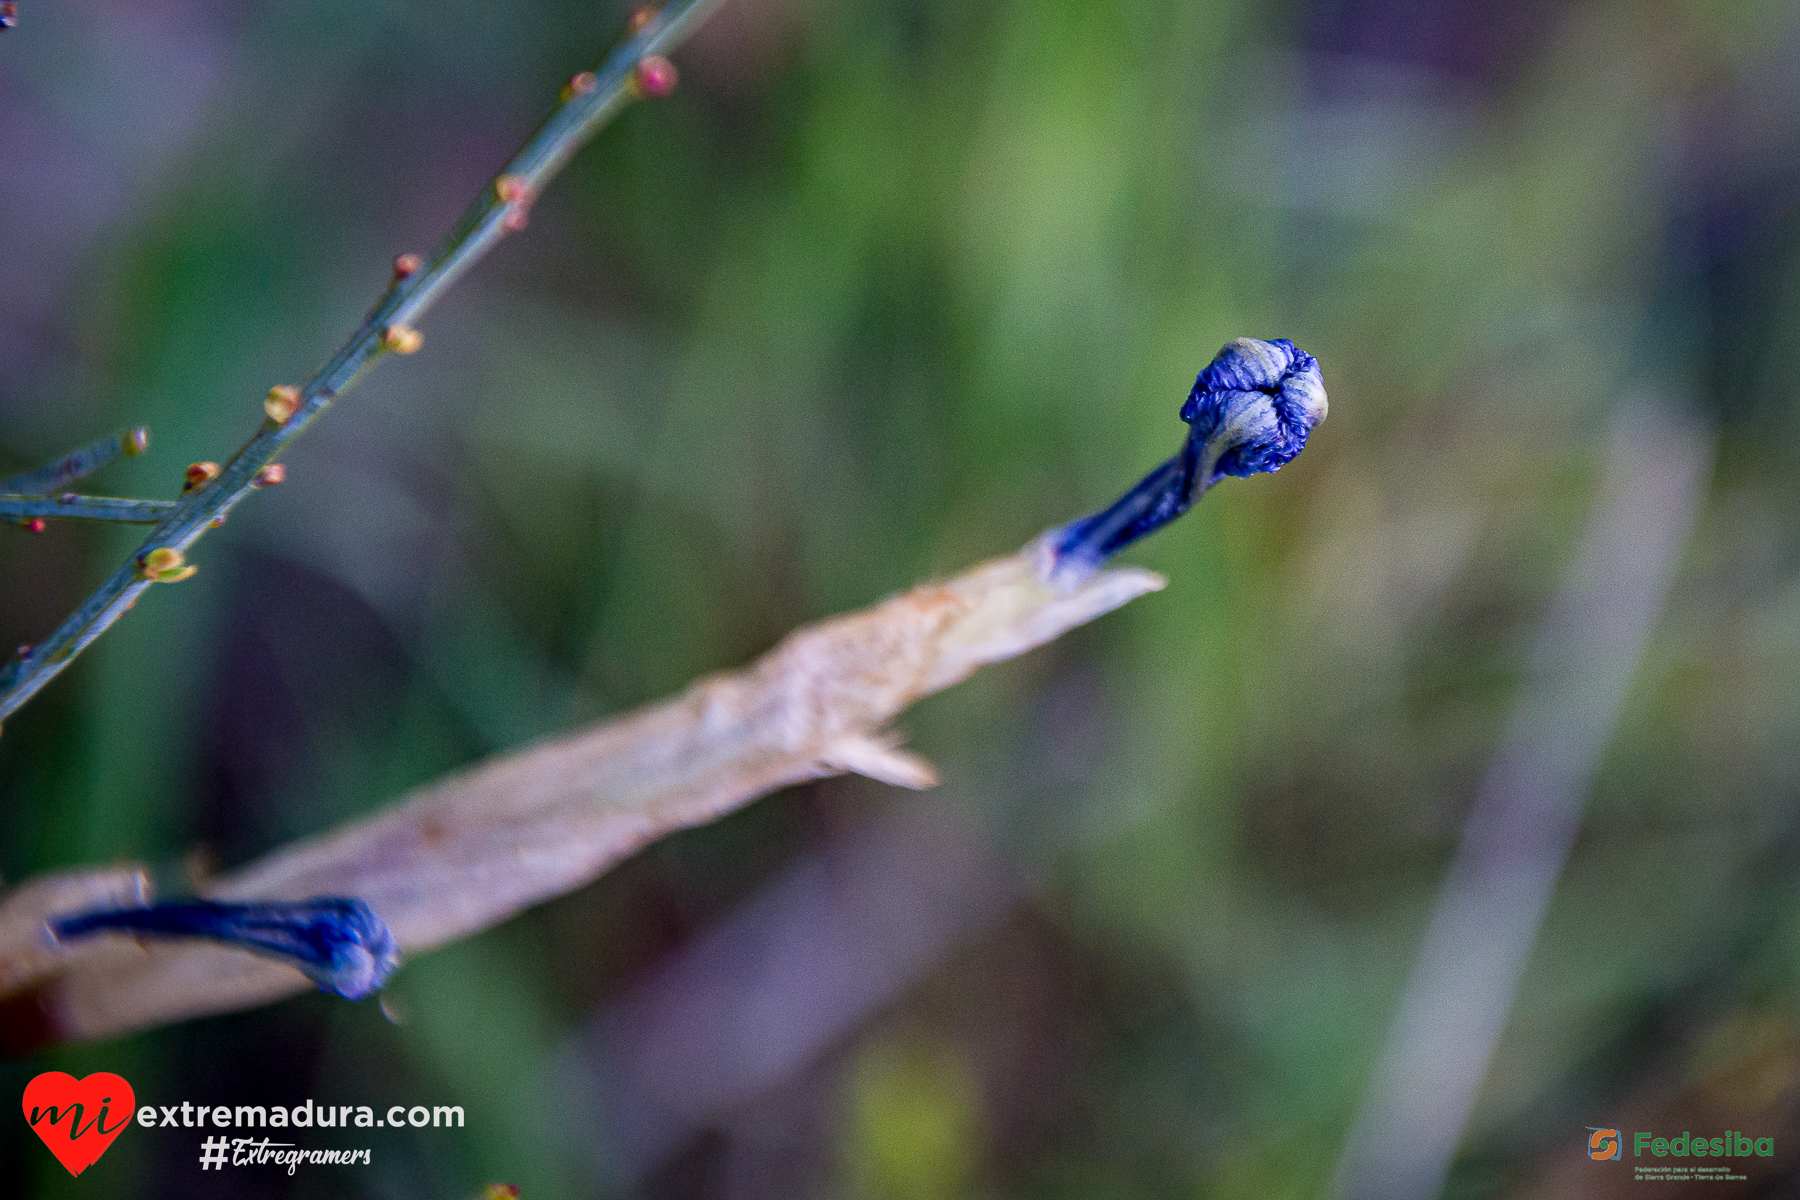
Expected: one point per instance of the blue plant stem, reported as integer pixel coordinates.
(569, 126)
(338, 941)
(1153, 502)
(83, 462)
(86, 508)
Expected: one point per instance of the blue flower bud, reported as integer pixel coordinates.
(340, 943)
(1256, 402)
(1251, 410)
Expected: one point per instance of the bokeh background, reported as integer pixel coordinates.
(884, 289)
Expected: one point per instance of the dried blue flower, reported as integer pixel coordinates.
(340, 943)
(1257, 401)
(1251, 410)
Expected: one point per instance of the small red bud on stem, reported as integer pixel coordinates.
(654, 76)
(517, 195)
(402, 339)
(164, 565)
(578, 85)
(198, 475)
(282, 402)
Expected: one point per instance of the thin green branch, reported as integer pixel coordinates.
(83, 462)
(71, 506)
(87, 508)
(590, 100)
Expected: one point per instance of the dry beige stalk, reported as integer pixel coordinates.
(469, 850)
(26, 954)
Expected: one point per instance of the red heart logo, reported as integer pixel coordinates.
(76, 1117)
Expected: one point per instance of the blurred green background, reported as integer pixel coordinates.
(885, 289)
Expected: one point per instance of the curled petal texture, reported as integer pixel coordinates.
(1257, 401)
(1251, 410)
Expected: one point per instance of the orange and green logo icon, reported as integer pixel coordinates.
(1603, 1143)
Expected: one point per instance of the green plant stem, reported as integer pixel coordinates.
(85, 461)
(569, 126)
(86, 508)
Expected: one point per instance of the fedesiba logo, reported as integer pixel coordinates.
(1603, 1143)
(1607, 1145)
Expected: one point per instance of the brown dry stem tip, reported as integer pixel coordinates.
(402, 339)
(198, 475)
(282, 403)
(164, 565)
